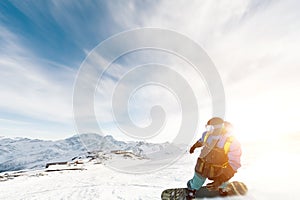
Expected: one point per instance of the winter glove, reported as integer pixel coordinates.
(214, 185)
(227, 174)
(196, 145)
(192, 149)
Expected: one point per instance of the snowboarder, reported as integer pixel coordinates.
(219, 158)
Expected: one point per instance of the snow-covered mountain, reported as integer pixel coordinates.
(260, 171)
(24, 153)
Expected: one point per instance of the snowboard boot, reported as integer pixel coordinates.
(191, 194)
(223, 192)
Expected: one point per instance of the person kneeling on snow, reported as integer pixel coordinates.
(219, 158)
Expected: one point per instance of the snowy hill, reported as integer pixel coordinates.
(260, 171)
(23, 153)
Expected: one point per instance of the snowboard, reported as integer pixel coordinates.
(233, 188)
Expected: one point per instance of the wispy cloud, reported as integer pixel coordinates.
(33, 90)
(254, 45)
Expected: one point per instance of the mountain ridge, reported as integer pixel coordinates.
(24, 153)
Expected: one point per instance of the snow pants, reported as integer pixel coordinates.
(197, 181)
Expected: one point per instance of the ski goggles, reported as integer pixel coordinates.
(213, 127)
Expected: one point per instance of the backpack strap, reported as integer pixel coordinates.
(227, 144)
(205, 137)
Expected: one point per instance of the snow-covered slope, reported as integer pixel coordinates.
(24, 153)
(270, 169)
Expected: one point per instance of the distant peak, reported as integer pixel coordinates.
(109, 137)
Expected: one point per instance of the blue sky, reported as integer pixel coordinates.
(50, 40)
(61, 29)
(253, 44)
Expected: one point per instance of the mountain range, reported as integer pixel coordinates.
(23, 153)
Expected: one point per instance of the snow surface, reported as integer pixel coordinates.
(270, 170)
